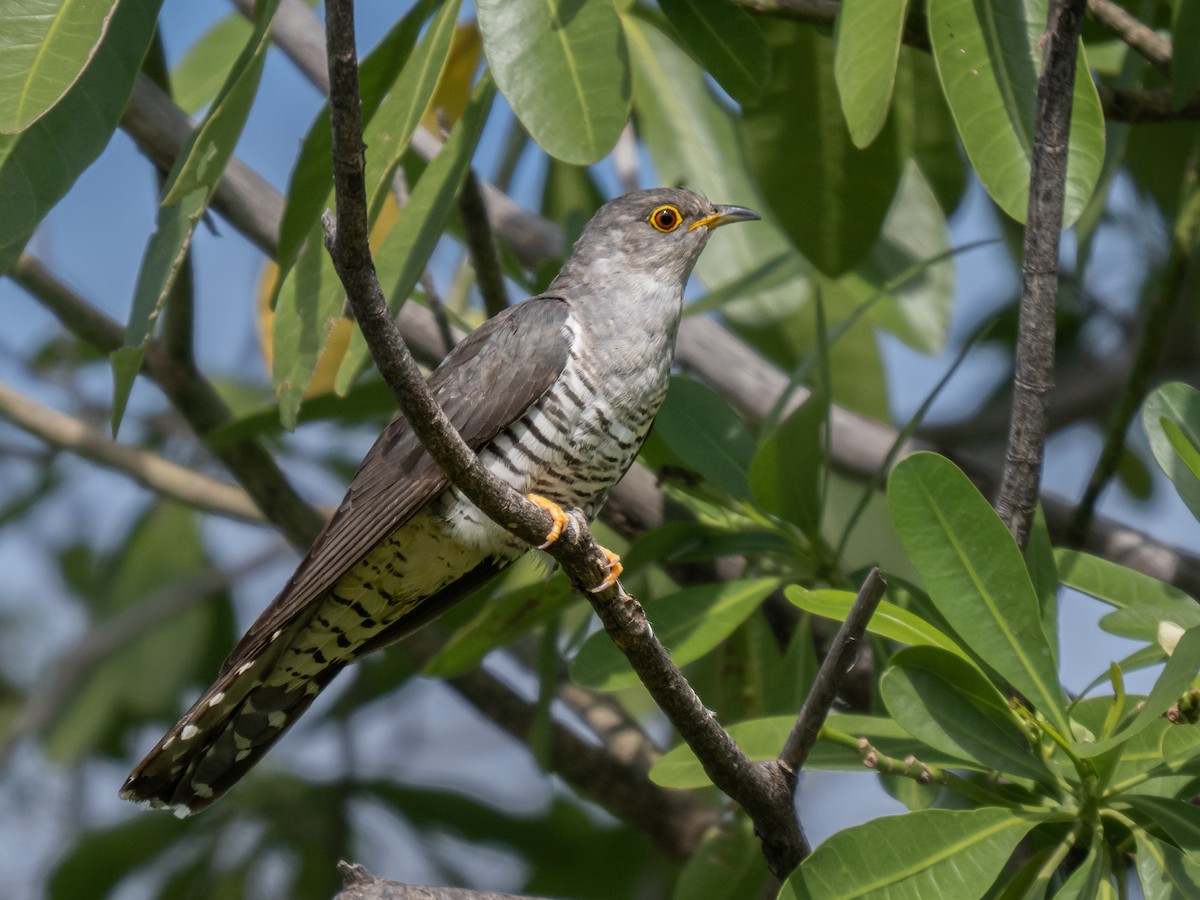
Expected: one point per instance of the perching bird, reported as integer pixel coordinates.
(555, 394)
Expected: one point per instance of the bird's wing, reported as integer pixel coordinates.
(487, 382)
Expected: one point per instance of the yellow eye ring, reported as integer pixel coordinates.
(666, 219)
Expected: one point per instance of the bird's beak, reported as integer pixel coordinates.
(724, 215)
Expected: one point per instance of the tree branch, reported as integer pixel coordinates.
(147, 469)
(835, 666)
(1142, 38)
(481, 245)
(1034, 375)
(359, 884)
(761, 790)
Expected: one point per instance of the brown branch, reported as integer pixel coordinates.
(147, 469)
(835, 666)
(1034, 374)
(763, 791)
(359, 884)
(1141, 37)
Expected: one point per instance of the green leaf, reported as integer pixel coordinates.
(809, 163)
(1084, 883)
(499, 621)
(726, 41)
(946, 702)
(1176, 677)
(785, 473)
(1185, 58)
(689, 623)
(310, 297)
(309, 188)
(44, 47)
(866, 53)
(186, 194)
(932, 853)
(1043, 572)
(728, 864)
(988, 58)
(564, 68)
(1179, 819)
(198, 77)
(975, 575)
(1142, 623)
(1175, 405)
(701, 429)
(41, 163)
(761, 740)
(908, 277)
(890, 621)
(1115, 584)
(1166, 872)
(405, 251)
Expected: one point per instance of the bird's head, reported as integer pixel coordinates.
(659, 231)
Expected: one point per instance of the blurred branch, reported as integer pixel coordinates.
(1141, 37)
(1178, 285)
(765, 791)
(359, 884)
(1151, 105)
(612, 774)
(193, 395)
(1034, 375)
(108, 637)
(147, 469)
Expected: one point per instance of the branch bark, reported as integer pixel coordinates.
(359, 884)
(764, 791)
(1034, 376)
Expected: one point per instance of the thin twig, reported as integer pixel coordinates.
(147, 469)
(764, 791)
(359, 884)
(1034, 374)
(1141, 37)
(481, 245)
(837, 663)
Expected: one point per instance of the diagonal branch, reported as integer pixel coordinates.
(151, 471)
(834, 667)
(1034, 374)
(764, 791)
(1141, 37)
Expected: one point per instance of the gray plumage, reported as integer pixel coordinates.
(556, 395)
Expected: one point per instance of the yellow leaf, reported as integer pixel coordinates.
(454, 87)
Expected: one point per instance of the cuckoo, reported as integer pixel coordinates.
(555, 394)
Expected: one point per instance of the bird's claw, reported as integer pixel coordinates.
(556, 513)
(614, 571)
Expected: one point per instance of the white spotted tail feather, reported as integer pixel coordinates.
(223, 735)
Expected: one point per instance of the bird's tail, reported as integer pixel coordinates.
(223, 735)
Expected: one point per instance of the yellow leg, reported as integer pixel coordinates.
(556, 513)
(614, 571)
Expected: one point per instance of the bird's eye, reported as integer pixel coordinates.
(666, 219)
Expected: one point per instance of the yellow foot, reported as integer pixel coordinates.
(614, 571)
(556, 513)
